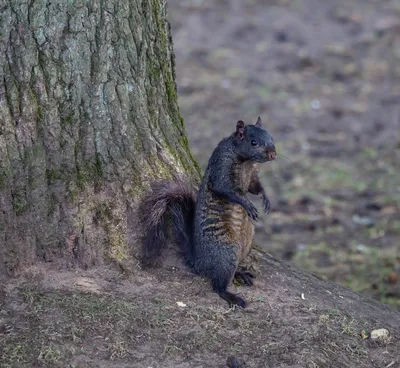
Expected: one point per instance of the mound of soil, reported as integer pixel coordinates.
(171, 318)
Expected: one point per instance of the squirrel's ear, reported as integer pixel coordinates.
(259, 122)
(240, 129)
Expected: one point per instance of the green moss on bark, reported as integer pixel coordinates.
(3, 179)
(109, 217)
(166, 65)
(20, 204)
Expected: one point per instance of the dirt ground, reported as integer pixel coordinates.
(325, 78)
(171, 319)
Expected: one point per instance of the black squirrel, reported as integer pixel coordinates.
(214, 232)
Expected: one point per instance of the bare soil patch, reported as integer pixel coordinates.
(170, 318)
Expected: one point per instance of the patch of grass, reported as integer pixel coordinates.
(307, 258)
(393, 227)
(392, 301)
(66, 320)
(356, 350)
(348, 327)
(49, 355)
(12, 354)
(331, 176)
(323, 318)
(334, 312)
(170, 349)
(76, 334)
(117, 348)
(55, 323)
(370, 272)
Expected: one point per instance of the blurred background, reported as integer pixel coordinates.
(325, 78)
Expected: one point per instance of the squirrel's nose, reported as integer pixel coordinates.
(271, 156)
(271, 153)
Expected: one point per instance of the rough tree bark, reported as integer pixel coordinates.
(88, 112)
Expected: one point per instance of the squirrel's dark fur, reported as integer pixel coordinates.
(214, 232)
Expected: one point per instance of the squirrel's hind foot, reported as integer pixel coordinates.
(244, 277)
(222, 280)
(233, 299)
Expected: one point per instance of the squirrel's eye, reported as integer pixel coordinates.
(253, 142)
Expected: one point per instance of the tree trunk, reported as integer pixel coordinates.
(88, 109)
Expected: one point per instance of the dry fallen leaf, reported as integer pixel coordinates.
(364, 334)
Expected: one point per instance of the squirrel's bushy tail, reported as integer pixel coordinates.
(168, 208)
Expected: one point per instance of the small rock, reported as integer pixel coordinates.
(345, 15)
(281, 36)
(364, 221)
(288, 254)
(311, 227)
(315, 104)
(283, 202)
(386, 24)
(305, 60)
(301, 247)
(305, 200)
(381, 334)
(338, 49)
(362, 248)
(373, 206)
(392, 278)
(335, 221)
(233, 362)
(337, 112)
(276, 228)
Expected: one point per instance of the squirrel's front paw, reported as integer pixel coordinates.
(266, 203)
(252, 211)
